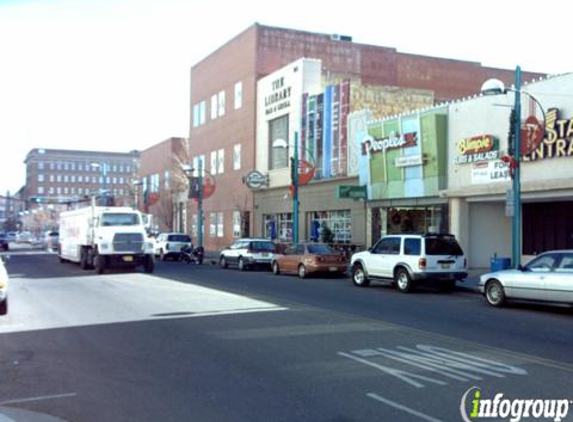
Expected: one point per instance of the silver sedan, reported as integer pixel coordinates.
(548, 277)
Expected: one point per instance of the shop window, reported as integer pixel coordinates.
(236, 223)
(278, 227)
(331, 226)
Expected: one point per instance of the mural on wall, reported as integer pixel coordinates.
(323, 138)
(404, 157)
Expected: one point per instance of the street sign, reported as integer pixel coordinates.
(509, 203)
(351, 192)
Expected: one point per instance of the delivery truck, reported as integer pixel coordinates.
(104, 237)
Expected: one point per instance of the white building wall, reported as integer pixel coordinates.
(301, 76)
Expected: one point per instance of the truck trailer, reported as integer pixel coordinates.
(103, 237)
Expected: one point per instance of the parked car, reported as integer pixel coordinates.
(407, 259)
(3, 288)
(24, 237)
(169, 245)
(309, 258)
(548, 278)
(247, 253)
(4, 243)
(51, 241)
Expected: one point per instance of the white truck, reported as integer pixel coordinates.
(102, 237)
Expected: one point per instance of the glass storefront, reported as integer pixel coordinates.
(399, 220)
(278, 227)
(330, 226)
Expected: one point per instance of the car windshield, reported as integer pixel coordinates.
(320, 250)
(178, 238)
(263, 246)
(442, 246)
(115, 219)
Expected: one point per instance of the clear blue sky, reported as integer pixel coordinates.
(114, 74)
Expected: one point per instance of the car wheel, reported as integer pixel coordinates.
(494, 293)
(149, 264)
(242, 265)
(403, 281)
(100, 264)
(301, 271)
(359, 277)
(276, 269)
(4, 307)
(223, 262)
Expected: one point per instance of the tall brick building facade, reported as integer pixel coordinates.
(224, 94)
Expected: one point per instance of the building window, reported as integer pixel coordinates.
(237, 157)
(339, 223)
(73, 190)
(278, 226)
(80, 167)
(220, 161)
(52, 166)
(66, 191)
(40, 177)
(194, 225)
(40, 165)
(213, 162)
(219, 224)
(166, 179)
(213, 224)
(114, 180)
(73, 166)
(51, 190)
(66, 166)
(196, 115)
(80, 179)
(66, 178)
(40, 190)
(59, 190)
(121, 180)
(278, 130)
(59, 177)
(73, 178)
(221, 103)
(213, 107)
(236, 223)
(80, 191)
(51, 177)
(238, 95)
(202, 113)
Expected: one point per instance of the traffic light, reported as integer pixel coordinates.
(511, 134)
(293, 171)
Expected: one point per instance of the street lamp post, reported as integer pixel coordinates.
(103, 171)
(495, 87)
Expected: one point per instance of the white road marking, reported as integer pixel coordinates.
(39, 398)
(407, 377)
(403, 408)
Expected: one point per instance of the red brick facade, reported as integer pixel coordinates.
(261, 50)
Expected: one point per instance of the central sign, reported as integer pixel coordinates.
(476, 149)
(371, 145)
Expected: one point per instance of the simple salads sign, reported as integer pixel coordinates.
(477, 149)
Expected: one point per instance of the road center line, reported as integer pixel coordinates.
(39, 398)
(403, 408)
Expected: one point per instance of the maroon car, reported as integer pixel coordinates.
(309, 258)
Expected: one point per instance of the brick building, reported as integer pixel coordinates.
(55, 175)
(224, 104)
(162, 188)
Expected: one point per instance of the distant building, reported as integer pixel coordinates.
(224, 126)
(162, 184)
(55, 176)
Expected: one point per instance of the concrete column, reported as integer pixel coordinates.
(459, 222)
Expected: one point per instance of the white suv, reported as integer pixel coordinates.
(410, 258)
(169, 245)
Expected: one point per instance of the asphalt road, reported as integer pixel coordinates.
(197, 343)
